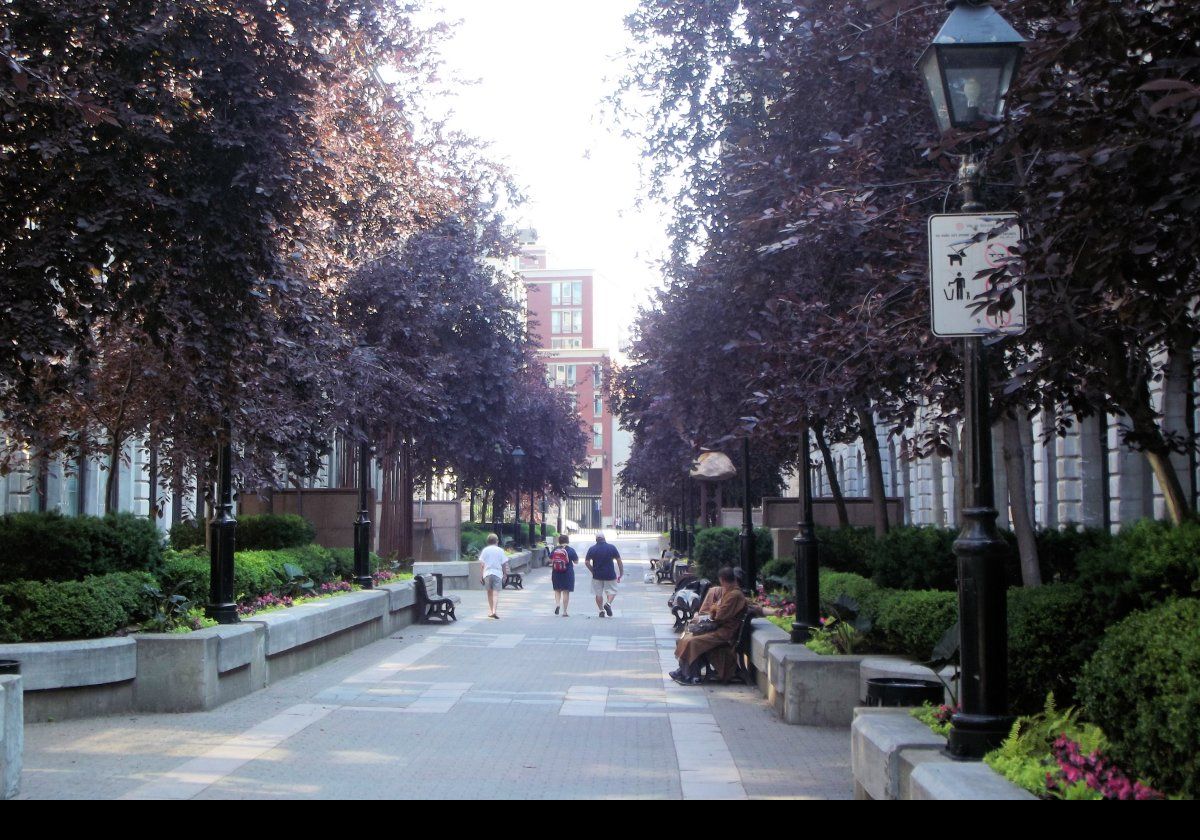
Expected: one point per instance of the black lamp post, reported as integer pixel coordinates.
(518, 457)
(532, 517)
(808, 606)
(747, 536)
(968, 70)
(545, 510)
(222, 537)
(362, 525)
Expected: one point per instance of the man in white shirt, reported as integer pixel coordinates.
(493, 566)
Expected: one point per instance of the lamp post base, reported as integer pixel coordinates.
(974, 736)
(222, 613)
(801, 633)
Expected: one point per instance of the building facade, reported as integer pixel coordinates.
(561, 312)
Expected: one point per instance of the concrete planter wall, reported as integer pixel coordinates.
(12, 735)
(895, 756)
(166, 672)
(464, 574)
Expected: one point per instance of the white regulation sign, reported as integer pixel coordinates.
(961, 246)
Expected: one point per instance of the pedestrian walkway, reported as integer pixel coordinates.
(531, 706)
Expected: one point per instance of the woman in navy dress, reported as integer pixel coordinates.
(563, 581)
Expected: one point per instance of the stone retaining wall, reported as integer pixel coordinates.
(186, 672)
(12, 735)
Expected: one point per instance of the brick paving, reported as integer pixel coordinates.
(532, 706)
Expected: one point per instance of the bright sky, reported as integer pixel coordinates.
(543, 68)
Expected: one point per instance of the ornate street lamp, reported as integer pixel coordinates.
(518, 457)
(805, 552)
(968, 70)
(362, 525)
(971, 64)
(746, 538)
(222, 536)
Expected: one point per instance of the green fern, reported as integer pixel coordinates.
(1025, 756)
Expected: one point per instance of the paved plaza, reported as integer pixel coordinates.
(530, 706)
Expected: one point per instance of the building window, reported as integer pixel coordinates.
(597, 436)
(561, 374)
(595, 376)
(566, 321)
(567, 293)
(566, 343)
(598, 406)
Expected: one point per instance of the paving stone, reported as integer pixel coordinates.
(532, 706)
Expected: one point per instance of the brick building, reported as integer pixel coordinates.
(560, 307)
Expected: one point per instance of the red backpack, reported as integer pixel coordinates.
(560, 561)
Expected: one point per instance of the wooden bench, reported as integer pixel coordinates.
(516, 580)
(739, 649)
(665, 572)
(431, 602)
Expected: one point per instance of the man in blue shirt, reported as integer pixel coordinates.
(604, 562)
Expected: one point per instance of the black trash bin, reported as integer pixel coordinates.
(900, 691)
(9, 666)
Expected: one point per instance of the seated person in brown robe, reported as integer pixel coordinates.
(692, 650)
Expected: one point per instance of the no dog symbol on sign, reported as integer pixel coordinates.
(965, 249)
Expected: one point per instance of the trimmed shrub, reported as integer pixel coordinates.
(257, 573)
(1059, 550)
(845, 549)
(1142, 688)
(781, 568)
(473, 537)
(1052, 633)
(717, 547)
(1145, 564)
(53, 547)
(913, 622)
(343, 563)
(186, 534)
(834, 585)
(914, 557)
(187, 572)
(273, 531)
(46, 611)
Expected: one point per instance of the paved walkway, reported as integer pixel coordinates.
(532, 706)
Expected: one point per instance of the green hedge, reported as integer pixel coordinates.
(1059, 550)
(53, 547)
(47, 611)
(914, 557)
(1052, 633)
(273, 531)
(845, 549)
(912, 622)
(1143, 689)
(256, 573)
(717, 547)
(186, 534)
(1145, 564)
(473, 536)
(834, 585)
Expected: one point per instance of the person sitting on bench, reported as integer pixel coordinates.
(692, 649)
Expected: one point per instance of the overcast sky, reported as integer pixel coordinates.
(543, 67)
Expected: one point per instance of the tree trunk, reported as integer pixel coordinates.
(866, 425)
(176, 492)
(835, 486)
(112, 486)
(1015, 463)
(152, 483)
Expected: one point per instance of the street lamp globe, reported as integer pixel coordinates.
(518, 456)
(971, 64)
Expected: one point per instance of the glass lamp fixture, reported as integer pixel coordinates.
(970, 65)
